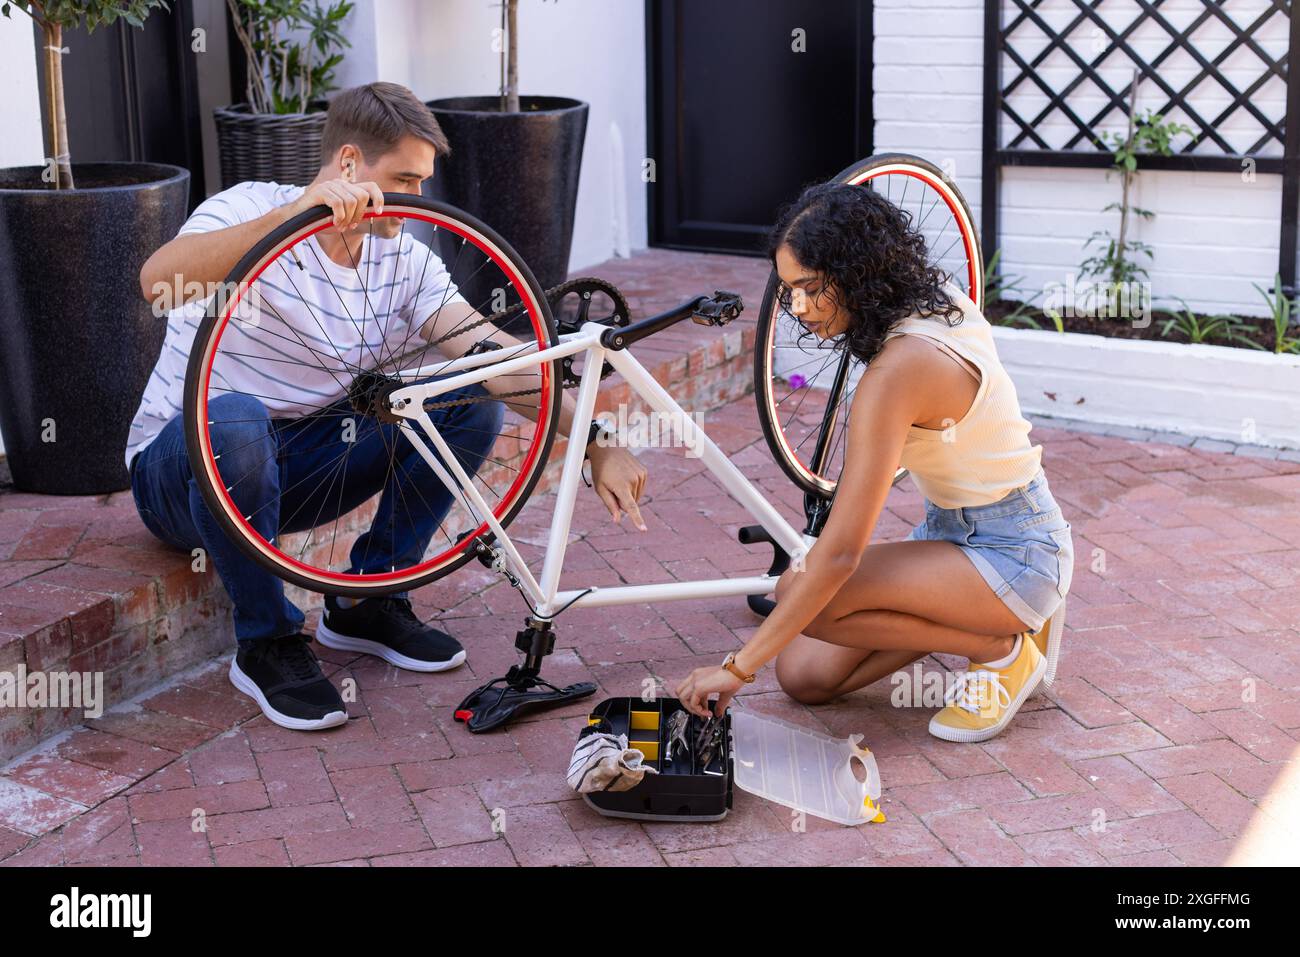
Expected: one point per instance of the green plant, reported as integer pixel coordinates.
(292, 49)
(1198, 328)
(1007, 289)
(53, 17)
(1148, 134)
(1281, 310)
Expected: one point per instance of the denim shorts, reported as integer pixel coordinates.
(1021, 545)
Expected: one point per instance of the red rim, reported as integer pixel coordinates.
(507, 500)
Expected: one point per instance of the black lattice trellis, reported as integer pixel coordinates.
(1010, 70)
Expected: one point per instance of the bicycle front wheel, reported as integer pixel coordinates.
(291, 442)
(805, 388)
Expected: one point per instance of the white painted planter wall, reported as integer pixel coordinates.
(1217, 392)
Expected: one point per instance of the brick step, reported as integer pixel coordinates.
(84, 587)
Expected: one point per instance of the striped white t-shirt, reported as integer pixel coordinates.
(297, 343)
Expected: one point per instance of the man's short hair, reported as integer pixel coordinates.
(375, 117)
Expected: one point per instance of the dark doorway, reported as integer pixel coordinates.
(738, 121)
(131, 94)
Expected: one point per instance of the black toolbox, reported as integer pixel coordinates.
(681, 791)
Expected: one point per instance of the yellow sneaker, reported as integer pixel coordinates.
(984, 700)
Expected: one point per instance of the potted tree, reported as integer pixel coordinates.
(292, 51)
(79, 339)
(515, 163)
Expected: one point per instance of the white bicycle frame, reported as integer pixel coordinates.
(545, 595)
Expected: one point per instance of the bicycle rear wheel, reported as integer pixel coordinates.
(286, 384)
(805, 386)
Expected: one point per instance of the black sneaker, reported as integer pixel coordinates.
(283, 676)
(387, 627)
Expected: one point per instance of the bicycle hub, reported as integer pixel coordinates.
(369, 393)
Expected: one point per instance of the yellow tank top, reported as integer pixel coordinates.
(987, 454)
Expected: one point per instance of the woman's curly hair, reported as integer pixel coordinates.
(872, 262)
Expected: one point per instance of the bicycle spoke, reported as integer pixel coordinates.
(416, 488)
(326, 349)
(311, 410)
(320, 508)
(787, 374)
(921, 225)
(413, 328)
(462, 324)
(343, 362)
(826, 361)
(392, 512)
(446, 294)
(338, 508)
(397, 482)
(390, 354)
(458, 487)
(365, 292)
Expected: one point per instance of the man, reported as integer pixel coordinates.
(377, 138)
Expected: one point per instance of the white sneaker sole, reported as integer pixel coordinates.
(249, 687)
(972, 735)
(332, 639)
(1055, 631)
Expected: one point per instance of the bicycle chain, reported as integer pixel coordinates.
(553, 295)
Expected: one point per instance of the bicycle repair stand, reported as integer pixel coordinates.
(521, 687)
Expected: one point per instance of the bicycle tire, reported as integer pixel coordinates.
(809, 479)
(207, 475)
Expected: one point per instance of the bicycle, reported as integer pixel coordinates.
(391, 388)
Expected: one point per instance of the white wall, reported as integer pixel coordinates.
(592, 50)
(213, 73)
(20, 107)
(1214, 233)
(20, 110)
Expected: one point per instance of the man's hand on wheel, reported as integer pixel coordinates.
(348, 201)
(619, 479)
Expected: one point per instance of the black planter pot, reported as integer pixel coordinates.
(268, 147)
(518, 172)
(79, 340)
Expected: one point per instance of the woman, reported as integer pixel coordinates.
(993, 558)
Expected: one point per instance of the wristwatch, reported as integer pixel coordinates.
(730, 664)
(597, 427)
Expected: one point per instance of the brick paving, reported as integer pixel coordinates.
(84, 586)
(1174, 716)
(1166, 740)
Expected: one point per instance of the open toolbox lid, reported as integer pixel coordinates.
(827, 777)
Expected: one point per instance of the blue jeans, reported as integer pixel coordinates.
(289, 475)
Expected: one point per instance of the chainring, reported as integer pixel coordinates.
(584, 287)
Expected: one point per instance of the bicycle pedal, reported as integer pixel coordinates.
(754, 535)
(718, 310)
